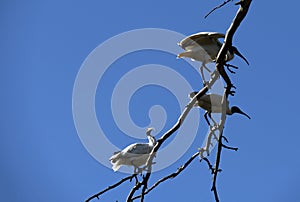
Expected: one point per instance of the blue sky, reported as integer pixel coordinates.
(43, 45)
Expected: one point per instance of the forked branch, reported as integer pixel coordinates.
(171, 176)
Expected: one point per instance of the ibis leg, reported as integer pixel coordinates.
(202, 72)
(136, 168)
(209, 114)
(205, 116)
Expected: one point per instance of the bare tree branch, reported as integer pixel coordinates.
(230, 148)
(111, 187)
(220, 61)
(209, 141)
(134, 189)
(171, 176)
(210, 167)
(216, 170)
(218, 157)
(217, 7)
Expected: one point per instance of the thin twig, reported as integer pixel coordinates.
(133, 190)
(209, 164)
(111, 187)
(143, 192)
(171, 176)
(216, 170)
(230, 148)
(210, 137)
(225, 138)
(217, 7)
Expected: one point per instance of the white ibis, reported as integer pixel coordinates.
(204, 47)
(135, 154)
(212, 103)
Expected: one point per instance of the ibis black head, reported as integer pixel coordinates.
(235, 109)
(235, 51)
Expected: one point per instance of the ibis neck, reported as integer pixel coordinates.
(152, 141)
(229, 111)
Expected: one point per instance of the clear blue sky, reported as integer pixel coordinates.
(44, 43)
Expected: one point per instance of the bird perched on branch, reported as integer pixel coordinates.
(212, 103)
(204, 47)
(135, 154)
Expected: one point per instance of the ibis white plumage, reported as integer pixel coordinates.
(212, 103)
(135, 154)
(204, 47)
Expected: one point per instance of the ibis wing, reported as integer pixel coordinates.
(216, 35)
(203, 38)
(115, 156)
(207, 40)
(139, 148)
(188, 44)
(216, 100)
(214, 47)
(204, 102)
(210, 102)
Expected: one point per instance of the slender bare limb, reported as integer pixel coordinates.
(171, 176)
(216, 170)
(219, 150)
(209, 141)
(111, 187)
(220, 61)
(230, 148)
(217, 7)
(134, 189)
(225, 138)
(209, 164)
(143, 192)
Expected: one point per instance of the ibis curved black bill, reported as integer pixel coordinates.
(235, 51)
(235, 109)
(243, 113)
